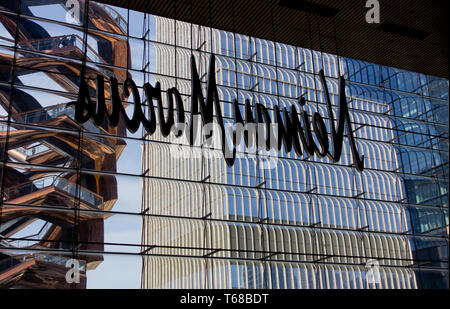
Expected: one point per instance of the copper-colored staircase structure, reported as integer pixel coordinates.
(40, 139)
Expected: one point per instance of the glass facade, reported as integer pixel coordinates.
(134, 213)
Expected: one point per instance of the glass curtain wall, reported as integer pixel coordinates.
(134, 213)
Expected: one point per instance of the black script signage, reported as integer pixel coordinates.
(291, 132)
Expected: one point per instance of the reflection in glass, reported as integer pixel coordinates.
(134, 214)
(43, 163)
